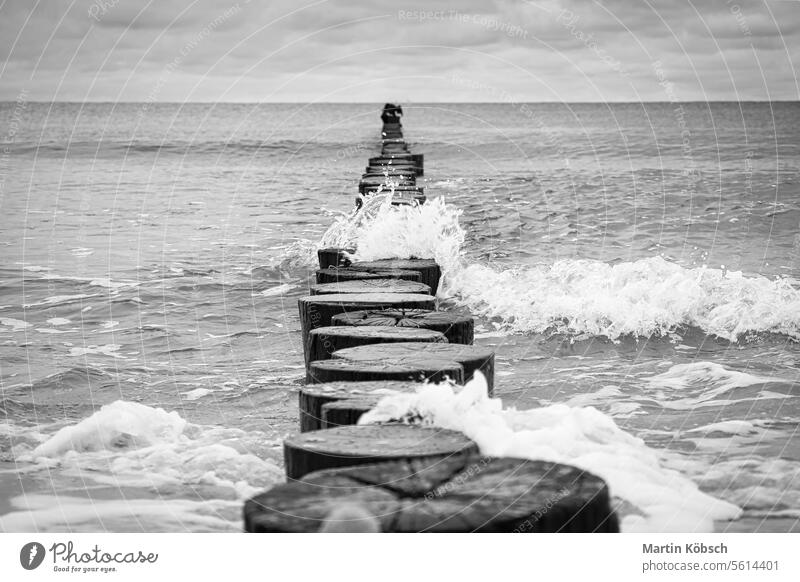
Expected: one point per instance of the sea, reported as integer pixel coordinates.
(636, 267)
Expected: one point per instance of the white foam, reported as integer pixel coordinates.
(130, 444)
(47, 513)
(698, 384)
(59, 321)
(641, 298)
(14, 324)
(277, 290)
(728, 427)
(109, 350)
(197, 393)
(579, 436)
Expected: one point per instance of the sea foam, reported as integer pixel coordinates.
(646, 297)
(133, 445)
(662, 499)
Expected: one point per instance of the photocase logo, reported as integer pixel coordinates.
(31, 555)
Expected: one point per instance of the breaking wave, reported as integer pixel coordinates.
(646, 297)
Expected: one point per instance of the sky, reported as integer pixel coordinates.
(373, 51)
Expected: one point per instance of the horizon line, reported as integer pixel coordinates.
(100, 102)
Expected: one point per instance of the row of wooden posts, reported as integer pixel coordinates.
(372, 328)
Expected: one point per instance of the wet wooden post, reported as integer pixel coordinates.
(317, 310)
(312, 397)
(458, 328)
(336, 274)
(457, 493)
(370, 285)
(324, 341)
(348, 446)
(429, 270)
(334, 257)
(472, 358)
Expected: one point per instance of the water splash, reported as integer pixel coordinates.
(642, 298)
(126, 444)
(648, 297)
(658, 499)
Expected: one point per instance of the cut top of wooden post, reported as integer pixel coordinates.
(317, 310)
(334, 274)
(457, 327)
(370, 286)
(472, 358)
(354, 445)
(324, 341)
(430, 272)
(460, 494)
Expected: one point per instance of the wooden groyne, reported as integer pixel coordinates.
(374, 328)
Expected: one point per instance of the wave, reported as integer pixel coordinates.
(126, 444)
(698, 384)
(647, 297)
(642, 298)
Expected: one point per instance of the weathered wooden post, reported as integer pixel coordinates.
(457, 493)
(313, 397)
(458, 328)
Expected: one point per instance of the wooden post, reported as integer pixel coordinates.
(471, 358)
(317, 310)
(336, 274)
(457, 327)
(333, 257)
(414, 369)
(429, 271)
(370, 286)
(312, 397)
(346, 412)
(323, 341)
(358, 445)
(400, 198)
(462, 493)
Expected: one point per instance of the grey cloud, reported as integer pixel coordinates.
(563, 49)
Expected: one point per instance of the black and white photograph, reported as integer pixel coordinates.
(501, 266)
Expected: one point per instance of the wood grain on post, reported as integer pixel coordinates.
(323, 341)
(458, 328)
(414, 369)
(370, 286)
(334, 257)
(460, 494)
(429, 271)
(471, 358)
(312, 397)
(358, 445)
(336, 274)
(317, 310)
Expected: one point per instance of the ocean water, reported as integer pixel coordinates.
(636, 267)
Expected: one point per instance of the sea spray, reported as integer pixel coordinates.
(657, 499)
(643, 298)
(130, 444)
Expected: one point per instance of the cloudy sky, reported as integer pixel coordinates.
(348, 50)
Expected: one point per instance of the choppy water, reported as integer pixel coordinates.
(641, 260)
